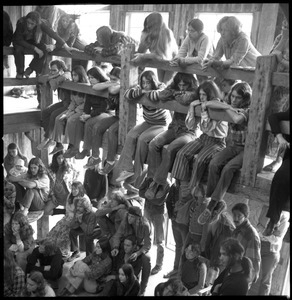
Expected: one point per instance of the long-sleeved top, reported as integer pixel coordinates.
(95, 184)
(275, 120)
(195, 51)
(82, 206)
(76, 105)
(42, 184)
(15, 288)
(141, 229)
(72, 34)
(7, 29)
(151, 115)
(249, 238)
(95, 105)
(21, 36)
(241, 52)
(55, 261)
(99, 265)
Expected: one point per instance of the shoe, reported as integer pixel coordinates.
(204, 216)
(151, 192)
(162, 190)
(42, 144)
(92, 162)
(170, 274)
(155, 270)
(218, 209)
(124, 175)
(74, 255)
(50, 143)
(19, 76)
(57, 149)
(82, 154)
(70, 153)
(27, 72)
(107, 168)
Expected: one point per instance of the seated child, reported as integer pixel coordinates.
(18, 169)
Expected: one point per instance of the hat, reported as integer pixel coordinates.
(242, 207)
(135, 210)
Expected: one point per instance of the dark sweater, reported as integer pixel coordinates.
(95, 105)
(55, 261)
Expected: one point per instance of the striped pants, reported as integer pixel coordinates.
(205, 146)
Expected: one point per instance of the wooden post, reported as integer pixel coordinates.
(256, 140)
(129, 78)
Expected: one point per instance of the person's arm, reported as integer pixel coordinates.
(103, 85)
(185, 98)
(52, 271)
(51, 33)
(116, 239)
(147, 241)
(201, 281)
(219, 52)
(133, 93)
(18, 36)
(32, 261)
(100, 269)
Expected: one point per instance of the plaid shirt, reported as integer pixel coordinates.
(17, 286)
(249, 238)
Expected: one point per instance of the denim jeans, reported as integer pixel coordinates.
(268, 265)
(113, 141)
(159, 165)
(32, 200)
(221, 171)
(157, 220)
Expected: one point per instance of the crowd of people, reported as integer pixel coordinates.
(182, 164)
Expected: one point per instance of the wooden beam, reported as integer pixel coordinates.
(19, 82)
(256, 140)
(83, 88)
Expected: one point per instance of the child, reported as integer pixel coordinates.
(13, 154)
(225, 163)
(107, 118)
(182, 89)
(66, 120)
(210, 141)
(138, 138)
(18, 169)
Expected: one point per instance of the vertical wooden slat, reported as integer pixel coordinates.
(129, 77)
(255, 145)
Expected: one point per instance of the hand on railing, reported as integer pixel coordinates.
(67, 48)
(50, 48)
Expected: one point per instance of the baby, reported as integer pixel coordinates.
(18, 169)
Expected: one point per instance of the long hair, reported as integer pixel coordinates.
(195, 247)
(54, 166)
(38, 162)
(9, 159)
(36, 17)
(130, 275)
(176, 285)
(78, 185)
(64, 33)
(9, 267)
(211, 89)
(82, 78)
(38, 278)
(244, 90)
(25, 228)
(232, 247)
(188, 79)
(98, 74)
(157, 37)
(150, 75)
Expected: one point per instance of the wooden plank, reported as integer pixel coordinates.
(256, 140)
(281, 79)
(245, 74)
(129, 78)
(10, 51)
(83, 88)
(19, 82)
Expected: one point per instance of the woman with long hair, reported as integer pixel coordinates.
(30, 34)
(235, 279)
(36, 286)
(18, 237)
(61, 173)
(14, 279)
(211, 141)
(37, 184)
(65, 122)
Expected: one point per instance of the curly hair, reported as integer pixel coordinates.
(64, 33)
(78, 185)
(54, 166)
(150, 75)
(38, 162)
(60, 64)
(39, 279)
(244, 90)
(120, 198)
(211, 89)
(188, 79)
(50, 247)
